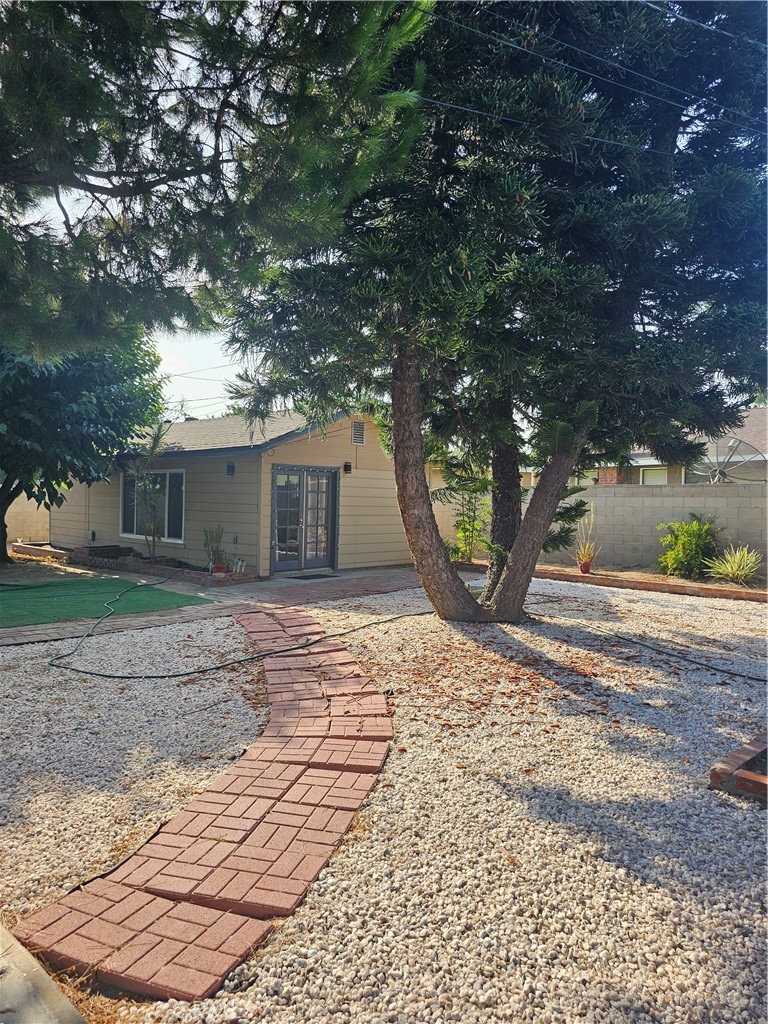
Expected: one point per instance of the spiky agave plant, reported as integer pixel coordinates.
(735, 565)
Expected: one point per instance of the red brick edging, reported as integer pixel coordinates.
(175, 918)
(730, 775)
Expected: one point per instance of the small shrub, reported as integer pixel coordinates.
(735, 565)
(472, 520)
(688, 545)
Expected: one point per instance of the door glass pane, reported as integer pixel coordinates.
(175, 505)
(317, 518)
(287, 516)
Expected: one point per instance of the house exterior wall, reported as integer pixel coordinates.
(627, 517)
(370, 531)
(27, 521)
(211, 498)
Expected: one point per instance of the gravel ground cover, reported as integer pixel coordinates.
(91, 767)
(541, 846)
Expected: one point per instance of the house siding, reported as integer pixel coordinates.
(211, 498)
(370, 530)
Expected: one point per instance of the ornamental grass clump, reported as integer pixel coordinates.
(735, 565)
(688, 545)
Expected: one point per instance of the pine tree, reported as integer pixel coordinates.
(568, 265)
(143, 141)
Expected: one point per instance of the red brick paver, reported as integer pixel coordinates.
(731, 775)
(141, 942)
(178, 915)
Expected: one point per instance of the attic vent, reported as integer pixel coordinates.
(358, 431)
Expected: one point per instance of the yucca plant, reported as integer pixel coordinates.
(587, 549)
(735, 565)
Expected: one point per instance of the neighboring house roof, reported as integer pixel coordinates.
(754, 431)
(229, 433)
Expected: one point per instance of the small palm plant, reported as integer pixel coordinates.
(587, 549)
(735, 565)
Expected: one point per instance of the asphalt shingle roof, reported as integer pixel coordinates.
(227, 432)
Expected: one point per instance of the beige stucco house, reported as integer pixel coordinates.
(288, 497)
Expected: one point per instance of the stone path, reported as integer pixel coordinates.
(178, 915)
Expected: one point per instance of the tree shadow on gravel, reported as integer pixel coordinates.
(654, 705)
(675, 844)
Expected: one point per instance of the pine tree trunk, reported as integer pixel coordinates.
(506, 512)
(506, 604)
(443, 585)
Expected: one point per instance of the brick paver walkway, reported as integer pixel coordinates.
(178, 915)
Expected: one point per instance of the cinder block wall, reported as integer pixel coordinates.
(27, 521)
(627, 516)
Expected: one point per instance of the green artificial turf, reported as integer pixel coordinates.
(27, 604)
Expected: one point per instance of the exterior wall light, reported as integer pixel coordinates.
(347, 467)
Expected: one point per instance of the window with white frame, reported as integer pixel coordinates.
(166, 495)
(653, 475)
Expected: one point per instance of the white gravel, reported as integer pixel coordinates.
(541, 846)
(91, 767)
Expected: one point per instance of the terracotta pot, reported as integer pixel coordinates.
(585, 567)
(220, 567)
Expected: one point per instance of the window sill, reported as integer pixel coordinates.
(160, 540)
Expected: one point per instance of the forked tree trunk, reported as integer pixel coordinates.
(443, 585)
(506, 512)
(506, 605)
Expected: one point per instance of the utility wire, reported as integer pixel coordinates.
(571, 67)
(513, 120)
(709, 28)
(610, 81)
(204, 369)
(621, 67)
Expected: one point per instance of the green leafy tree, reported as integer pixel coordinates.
(67, 421)
(571, 264)
(144, 141)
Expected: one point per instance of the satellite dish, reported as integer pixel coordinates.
(730, 460)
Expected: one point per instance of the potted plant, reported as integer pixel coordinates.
(587, 550)
(217, 556)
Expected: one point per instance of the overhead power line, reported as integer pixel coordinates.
(203, 369)
(497, 38)
(620, 67)
(516, 120)
(701, 24)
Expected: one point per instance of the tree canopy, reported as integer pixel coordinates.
(68, 420)
(141, 142)
(572, 262)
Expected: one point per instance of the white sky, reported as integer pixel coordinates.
(198, 369)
